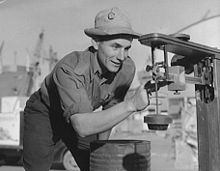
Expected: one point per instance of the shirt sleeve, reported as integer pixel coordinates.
(71, 91)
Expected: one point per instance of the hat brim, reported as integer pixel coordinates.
(94, 32)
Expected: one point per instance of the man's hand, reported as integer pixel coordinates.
(139, 100)
(150, 86)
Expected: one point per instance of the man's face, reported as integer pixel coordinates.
(112, 53)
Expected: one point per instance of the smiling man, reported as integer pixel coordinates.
(82, 81)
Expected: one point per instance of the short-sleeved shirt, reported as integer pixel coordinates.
(76, 84)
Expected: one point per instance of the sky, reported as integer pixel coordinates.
(64, 21)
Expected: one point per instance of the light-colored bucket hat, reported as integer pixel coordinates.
(111, 22)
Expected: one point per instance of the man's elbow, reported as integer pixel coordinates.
(80, 132)
(78, 126)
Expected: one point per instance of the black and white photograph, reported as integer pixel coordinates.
(120, 85)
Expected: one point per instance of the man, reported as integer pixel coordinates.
(82, 81)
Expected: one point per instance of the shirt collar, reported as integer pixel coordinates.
(95, 67)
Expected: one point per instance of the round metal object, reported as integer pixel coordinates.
(157, 122)
(123, 155)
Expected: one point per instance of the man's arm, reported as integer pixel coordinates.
(87, 124)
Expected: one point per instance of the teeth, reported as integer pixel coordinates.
(116, 63)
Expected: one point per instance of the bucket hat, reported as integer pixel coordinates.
(111, 22)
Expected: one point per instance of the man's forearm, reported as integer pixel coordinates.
(96, 122)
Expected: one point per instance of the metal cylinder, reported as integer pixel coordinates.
(120, 155)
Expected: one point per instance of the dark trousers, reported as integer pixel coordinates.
(42, 130)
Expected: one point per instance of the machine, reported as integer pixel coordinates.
(204, 62)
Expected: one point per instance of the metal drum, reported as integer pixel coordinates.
(120, 155)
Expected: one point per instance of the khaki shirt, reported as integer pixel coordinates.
(76, 86)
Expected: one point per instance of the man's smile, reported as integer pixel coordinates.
(116, 63)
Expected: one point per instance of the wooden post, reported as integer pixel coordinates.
(208, 115)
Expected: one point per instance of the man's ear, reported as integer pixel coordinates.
(95, 44)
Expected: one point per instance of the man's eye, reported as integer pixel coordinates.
(127, 48)
(115, 47)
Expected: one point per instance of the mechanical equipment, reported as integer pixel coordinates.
(188, 58)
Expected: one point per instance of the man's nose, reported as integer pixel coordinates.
(121, 55)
